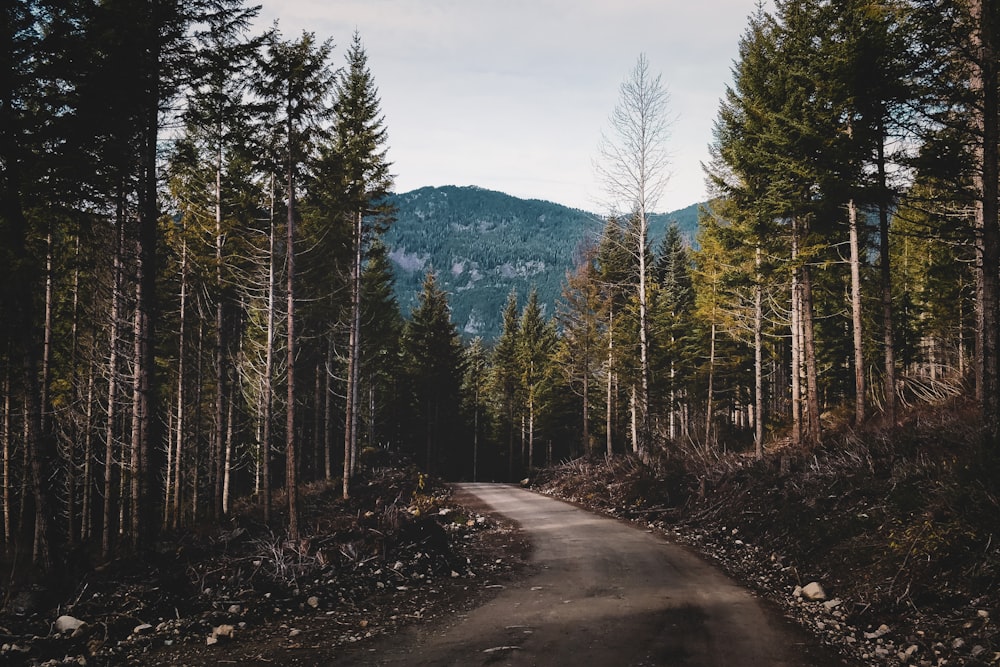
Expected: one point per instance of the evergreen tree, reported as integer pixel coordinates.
(433, 361)
(506, 377)
(296, 84)
(360, 149)
(536, 342)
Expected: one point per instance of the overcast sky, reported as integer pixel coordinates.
(512, 95)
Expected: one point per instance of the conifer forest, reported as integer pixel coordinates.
(198, 307)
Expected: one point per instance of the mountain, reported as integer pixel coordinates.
(483, 243)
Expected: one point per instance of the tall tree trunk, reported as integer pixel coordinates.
(328, 414)
(267, 399)
(175, 495)
(758, 358)
(227, 466)
(87, 483)
(221, 363)
(796, 338)
(353, 362)
(6, 435)
(112, 402)
(885, 277)
(144, 473)
(809, 352)
(984, 84)
(856, 315)
(291, 478)
(644, 435)
(609, 407)
(711, 384)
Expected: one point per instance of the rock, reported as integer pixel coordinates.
(142, 629)
(977, 651)
(881, 632)
(211, 640)
(813, 591)
(313, 601)
(957, 643)
(294, 632)
(65, 624)
(227, 631)
(983, 614)
(235, 609)
(830, 605)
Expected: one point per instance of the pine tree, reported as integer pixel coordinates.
(296, 84)
(433, 361)
(506, 376)
(360, 148)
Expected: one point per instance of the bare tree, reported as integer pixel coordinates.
(634, 169)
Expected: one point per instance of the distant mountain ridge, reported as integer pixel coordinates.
(483, 243)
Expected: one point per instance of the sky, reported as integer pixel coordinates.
(513, 95)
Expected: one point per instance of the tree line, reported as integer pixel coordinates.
(197, 304)
(198, 307)
(845, 268)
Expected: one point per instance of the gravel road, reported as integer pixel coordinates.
(601, 593)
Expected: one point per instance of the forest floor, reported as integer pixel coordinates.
(400, 551)
(901, 530)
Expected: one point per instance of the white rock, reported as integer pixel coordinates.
(832, 604)
(313, 601)
(813, 591)
(224, 630)
(294, 632)
(210, 640)
(65, 624)
(881, 632)
(141, 628)
(982, 613)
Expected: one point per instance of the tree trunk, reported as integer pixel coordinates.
(175, 495)
(711, 383)
(885, 276)
(984, 83)
(809, 352)
(758, 358)
(796, 347)
(856, 315)
(354, 347)
(267, 399)
(328, 414)
(291, 479)
(609, 407)
(644, 435)
(7, 530)
(112, 412)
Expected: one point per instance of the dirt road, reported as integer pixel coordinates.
(602, 593)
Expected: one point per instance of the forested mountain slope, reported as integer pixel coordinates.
(483, 244)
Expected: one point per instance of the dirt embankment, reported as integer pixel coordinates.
(399, 551)
(901, 530)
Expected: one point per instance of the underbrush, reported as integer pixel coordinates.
(903, 525)
(391, 552)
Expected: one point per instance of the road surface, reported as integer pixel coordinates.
(602, 593)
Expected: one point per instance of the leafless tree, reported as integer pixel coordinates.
(633, 167)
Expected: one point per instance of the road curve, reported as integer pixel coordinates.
(605, 593)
